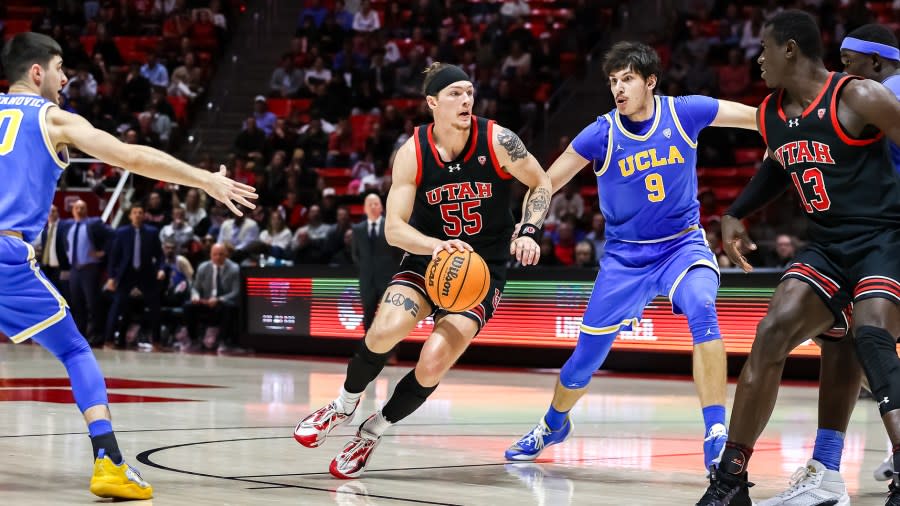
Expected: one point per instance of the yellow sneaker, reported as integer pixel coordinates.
(118, 481)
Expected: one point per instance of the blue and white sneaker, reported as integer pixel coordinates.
(714, 444)
(532, 444)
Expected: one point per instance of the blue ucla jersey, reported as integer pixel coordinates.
(29, 164)
(893, 83)
(646, 172)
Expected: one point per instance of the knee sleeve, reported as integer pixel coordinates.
(408, 395)
(696, 298)
(589, 354)
(877, 353)
(364, 367)
(70, 347)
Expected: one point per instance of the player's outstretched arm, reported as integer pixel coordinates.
(735, 115)
(67, 128)
(875, 104)
(400, 201)
(522, 165)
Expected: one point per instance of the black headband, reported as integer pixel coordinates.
(445, 77)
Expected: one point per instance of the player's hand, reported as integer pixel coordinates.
(526, 250)
(450, 246)
(228, 191)
(515, 234)
(734, 237)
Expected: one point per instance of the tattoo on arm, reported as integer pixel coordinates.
(537, 206)
(513, 145)
(402, 301)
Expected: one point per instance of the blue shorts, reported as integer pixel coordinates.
(631, 275)
(29, 303)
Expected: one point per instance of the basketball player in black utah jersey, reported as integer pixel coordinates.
(825, 132)
(450, 191)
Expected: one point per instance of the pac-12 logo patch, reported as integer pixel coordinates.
(482, 159)
(667, 133)
(821, 113)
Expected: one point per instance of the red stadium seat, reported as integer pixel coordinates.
(179, 105)
(88, 41)
(14, 26)
(335, 176)
(748, 155)
(361, 127)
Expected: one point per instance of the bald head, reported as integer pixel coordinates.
(79, 210)
(372, 206)
(218, 254)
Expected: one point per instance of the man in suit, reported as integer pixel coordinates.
(214, 297)
(51, 250)
(376, 259)
(85, 249)
(135, 260)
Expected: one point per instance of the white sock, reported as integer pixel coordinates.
(346, 402)
(376, 425)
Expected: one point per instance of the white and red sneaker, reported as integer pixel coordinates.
(354, 458)
(312, 430)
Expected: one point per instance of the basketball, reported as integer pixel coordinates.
(457, 281)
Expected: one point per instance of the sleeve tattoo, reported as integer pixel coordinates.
(536, 207)
(513, 145)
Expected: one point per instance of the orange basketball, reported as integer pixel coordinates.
(457, 281)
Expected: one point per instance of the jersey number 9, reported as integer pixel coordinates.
(10, 119)
(654, 184)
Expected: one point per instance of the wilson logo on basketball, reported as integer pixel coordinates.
(452, 273)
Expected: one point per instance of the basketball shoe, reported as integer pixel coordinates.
(532, 444)
(713, 444)
(726, 489)
(312, 430)
(885, 471)
(812, 484)
(118, 481)
(354, 458)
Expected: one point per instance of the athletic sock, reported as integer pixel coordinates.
(713, 414)
(346, 401)
(376, 424)
(555, 419)
(103, 438)
(829, 448)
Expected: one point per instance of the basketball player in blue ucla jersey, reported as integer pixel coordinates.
(645, 154)
(869, 51)
(34, 135)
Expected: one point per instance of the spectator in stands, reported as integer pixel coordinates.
(135, 261)
(156, 213)
(203, 32)
(283, 140)
(251, 139)
(294, 212)
(731, 25)
(155, 71)
(187, 79)
(276, 235)
(287, 80)
(313, 10)
(517, 64)
(161, 124)
(366, 20)
(564, 240)
(194, 212)
(751, 34)
(147, 135)
(136, 91)
(265, 119)
(709, 208)
(341, 224)
(86, 81)
(165, 8)
(342, 16)
(317, 74)
(597, 235)
(237, 233)
(340, 146)
(344, 256)
(215, 298)
(86, 241)
(784, 253)
(374, 256)
(179, 232)
(545, 60)
(585, 255)
(179, 275)
(548, 253)
(50, 248)
(734, 78)
(74, 102)
(515, 9)
(566, 202)
(310, 241)
(361, 170)
(380, 74)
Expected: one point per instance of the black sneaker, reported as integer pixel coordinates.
(894, 495)
(727, 490)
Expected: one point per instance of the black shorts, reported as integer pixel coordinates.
(842, 273)
(412, 274)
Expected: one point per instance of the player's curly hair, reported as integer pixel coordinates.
(637, 56)
(24, 50)
(799, 26)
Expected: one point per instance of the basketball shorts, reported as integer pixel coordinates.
(412, 274)
(633, 274)
(29, 303)
(863, 267)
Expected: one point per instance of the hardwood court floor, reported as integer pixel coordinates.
(215, 430)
